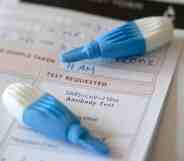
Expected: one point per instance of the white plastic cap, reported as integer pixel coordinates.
(16, 97)
(157, 31)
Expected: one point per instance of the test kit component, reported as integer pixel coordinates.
(134, 38)
(47, 115)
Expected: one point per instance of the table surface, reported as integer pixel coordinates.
(169, 140)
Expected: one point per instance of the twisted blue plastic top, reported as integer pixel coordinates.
(53, 119)
(123, 41)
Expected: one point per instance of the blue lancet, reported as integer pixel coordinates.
(53, 119)
(124, 41)
(134, 38)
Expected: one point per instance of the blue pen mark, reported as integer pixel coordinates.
(80, 68)
(71, 34)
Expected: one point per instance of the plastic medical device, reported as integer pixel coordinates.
(45, 114)
(134, 38)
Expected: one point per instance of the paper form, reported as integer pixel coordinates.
(120, 101)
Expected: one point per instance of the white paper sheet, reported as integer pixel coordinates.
(120, 101)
